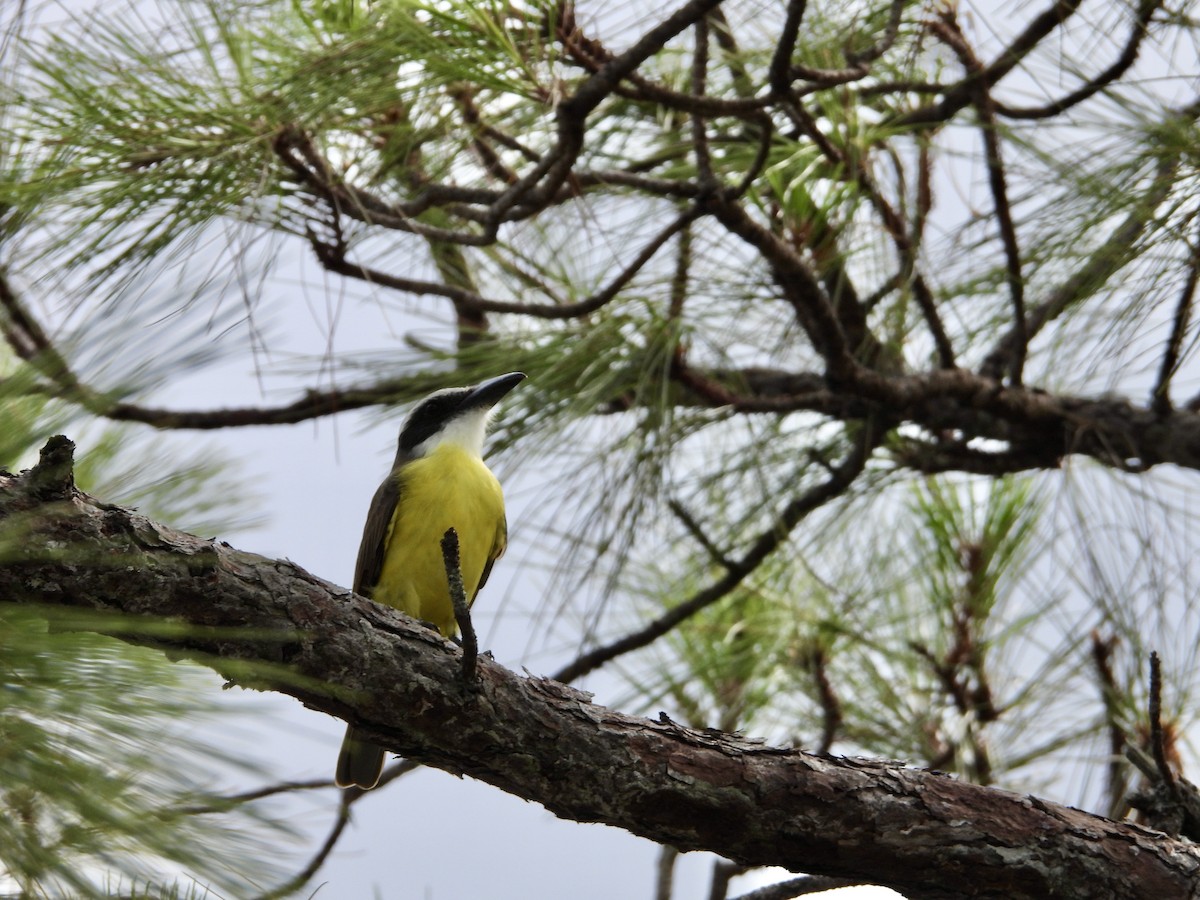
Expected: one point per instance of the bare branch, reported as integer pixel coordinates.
(1092, 86)
(948, 29)
(780, 68)
(1179, 324)
(333, 258)
(959, 95)
(764, 545)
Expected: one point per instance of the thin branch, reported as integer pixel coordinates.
(948, 30)
(800, 287)
(1128, 57)
(1117, 778)
(462, 609)
(894, 225)
(704, 171)
(743, 84)
(831, 706)
(30, 342)
(305, 875)
(1109, 258)
(890, 32)
(957, 96)
(298, 153)
(799, 887)
(780, 69)
(679, 280)
(1157, 742)
(226, 802)
(544, 180)
(688, 521)
(764, 545)
(333, 259)
(488, 157)
(1179, 324)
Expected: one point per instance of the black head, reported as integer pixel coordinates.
(433, 413)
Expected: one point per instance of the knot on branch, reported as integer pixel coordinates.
(54, 474)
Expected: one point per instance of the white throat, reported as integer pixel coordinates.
(466, 431)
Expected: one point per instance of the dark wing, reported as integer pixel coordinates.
(375, 535)
(497, 551)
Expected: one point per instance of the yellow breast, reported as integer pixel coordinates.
(449, 488)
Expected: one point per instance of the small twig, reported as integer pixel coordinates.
(665, 879)
(301, 878)
(724, 871)
(764, 545)
(693, 528)
(950, 33)
(890, 33)
(779, 72)
(220, 804)
(1179, 325)
(1118, 782)
(462, 610)
(1156, 730)
(798, 887)
(1127, 58)
(831, 707)
(705, 176)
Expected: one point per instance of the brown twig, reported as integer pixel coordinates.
(462, 608)
(956, 97)
(948, 30)
(798, 887)
(779, 72)
(765, 544)
(1161, 395)
(301, 878)
(1118, 781)
(333, 259)
(688, 521)
(1157, 743)
(831, 706)
(723, 872)
(1091, 87)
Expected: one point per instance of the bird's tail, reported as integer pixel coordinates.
(359, 763)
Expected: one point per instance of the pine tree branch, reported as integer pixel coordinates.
(268, 624)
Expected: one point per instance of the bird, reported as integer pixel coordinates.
(438, 481)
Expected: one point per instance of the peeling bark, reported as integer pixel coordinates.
(270, 625)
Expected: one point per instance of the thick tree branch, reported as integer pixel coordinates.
(270, 625)
(1040, 429)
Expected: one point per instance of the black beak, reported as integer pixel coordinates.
(488, 393)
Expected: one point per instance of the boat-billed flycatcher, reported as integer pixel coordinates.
(438, 481)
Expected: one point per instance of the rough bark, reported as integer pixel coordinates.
(270, 625)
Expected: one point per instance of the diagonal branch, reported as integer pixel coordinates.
(333, 257)
(1091, 87)
(270, 625)
(736, 571)
(1179, 325)
(948, 30)
(960, 95)
(1109, 258)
